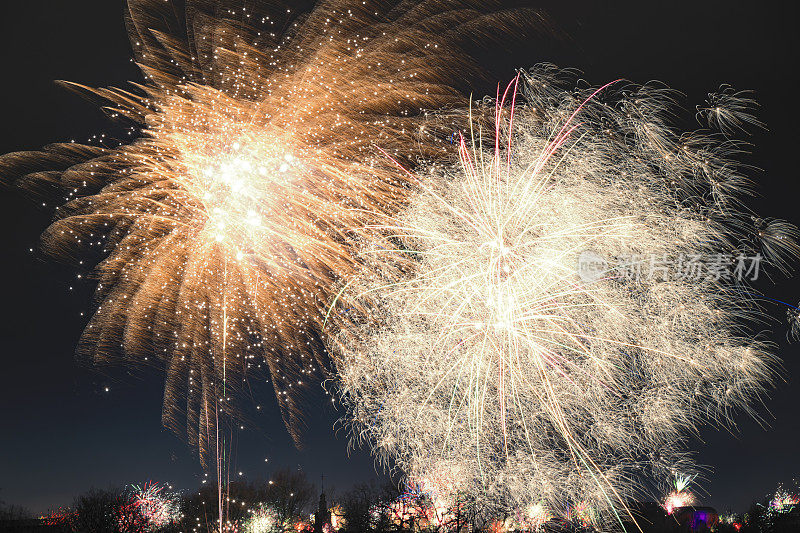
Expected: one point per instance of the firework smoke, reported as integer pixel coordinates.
(535, 337)
(216, 236)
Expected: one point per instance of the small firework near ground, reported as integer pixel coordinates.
(680, 496)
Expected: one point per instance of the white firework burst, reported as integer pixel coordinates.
(543, 333)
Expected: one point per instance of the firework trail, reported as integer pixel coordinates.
(216, 235)
(536, 336)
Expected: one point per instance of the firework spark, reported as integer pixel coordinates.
(158, 506)
(775, 506)
(263, 519)
(682, 481)
(677, 499)
(783, 502)
(216, 236)
(515, 340)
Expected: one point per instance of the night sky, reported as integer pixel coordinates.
(61, 432)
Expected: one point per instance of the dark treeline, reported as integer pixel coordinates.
(288, 502)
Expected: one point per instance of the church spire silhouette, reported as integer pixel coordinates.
(323, 515)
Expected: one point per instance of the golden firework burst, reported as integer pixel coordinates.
(218, 233)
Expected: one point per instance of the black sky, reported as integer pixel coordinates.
(61, 433)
